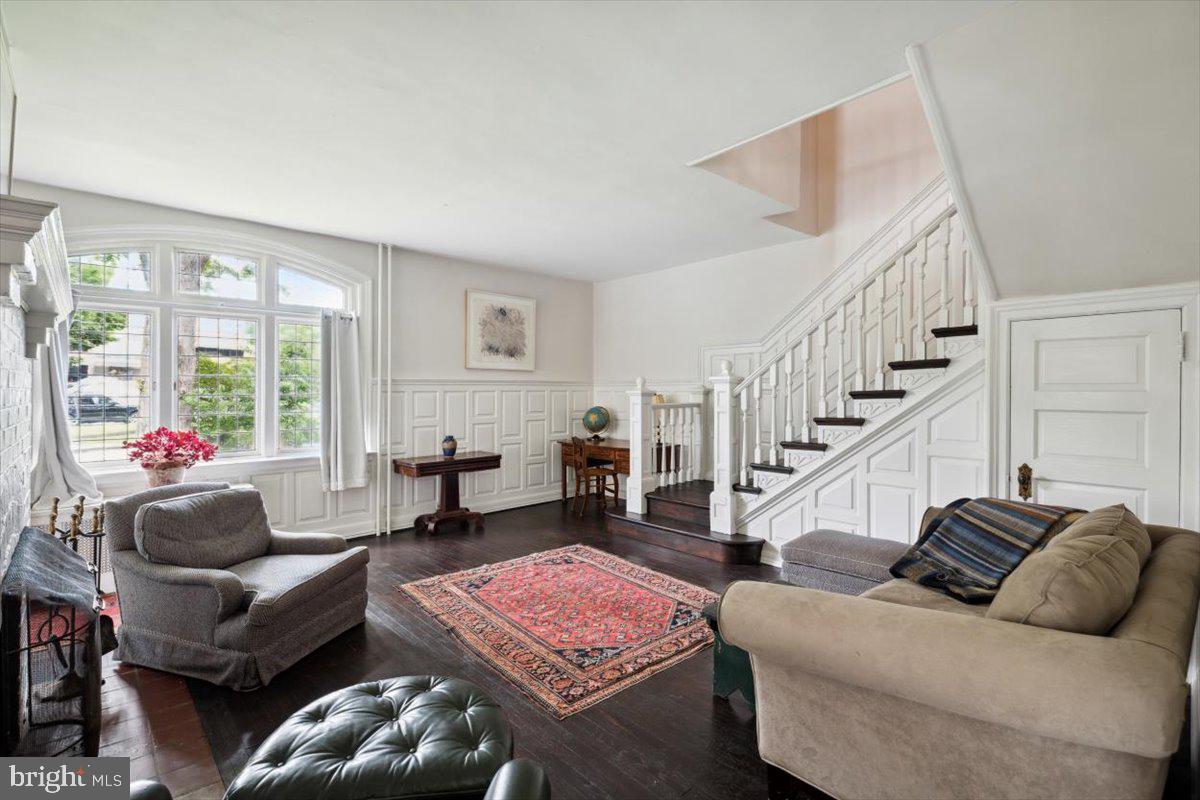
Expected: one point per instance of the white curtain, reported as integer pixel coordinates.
(343, 416)
(56, 473)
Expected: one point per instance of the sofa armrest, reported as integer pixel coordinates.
(227, 586)
(285, 543)
(1114, 694)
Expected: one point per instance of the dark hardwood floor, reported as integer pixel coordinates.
(666, 737)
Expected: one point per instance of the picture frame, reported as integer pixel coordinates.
(501, 331)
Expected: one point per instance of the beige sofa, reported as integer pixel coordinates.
(903, 692)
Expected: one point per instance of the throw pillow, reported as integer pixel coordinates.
(211, 530)
(1083, 584)
(1116, 521)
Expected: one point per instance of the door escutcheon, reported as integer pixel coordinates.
(1025, 481)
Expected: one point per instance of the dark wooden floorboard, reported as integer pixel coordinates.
(666, 737)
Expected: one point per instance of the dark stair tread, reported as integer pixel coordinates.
(954, 330)
(691, 493)
(782, 470)
(878, 394)
(741, 487)
(798, 445)
(683, 528)
(920, 363)
(845, 421)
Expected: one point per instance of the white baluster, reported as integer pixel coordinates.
(758, 455)
(842, 397)
(968, 283)
(921, 347)
(881, 282)
(774, 440)
(860, 366)
(670, 455)
(804, 389)
(682, 444)
(660, 425)
(822, 393)
(745, 464)
(789, 430)
(694, 444)
(944, 295)
(901, 320)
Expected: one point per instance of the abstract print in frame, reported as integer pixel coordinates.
(501, 331)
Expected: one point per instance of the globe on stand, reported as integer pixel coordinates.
(595, 420)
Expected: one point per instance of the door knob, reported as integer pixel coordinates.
(1025, 481)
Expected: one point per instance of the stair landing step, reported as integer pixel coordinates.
(856, 422)
(741, 487)
(782, 470)
(954, 330)
(691, 493)
(798, 445)
(878, 394)
(920, 363)
(685, 537)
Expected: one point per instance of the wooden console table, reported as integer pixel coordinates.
(447, 468)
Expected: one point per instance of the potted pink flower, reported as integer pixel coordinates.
(166, 455)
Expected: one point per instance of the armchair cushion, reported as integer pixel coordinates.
(119, 513)
(275, 584)
(211, 530)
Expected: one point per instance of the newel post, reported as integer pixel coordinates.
(641, 449)
(720, 502)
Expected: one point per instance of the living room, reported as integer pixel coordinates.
(631, 400)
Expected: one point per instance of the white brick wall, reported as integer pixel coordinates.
(16, 429)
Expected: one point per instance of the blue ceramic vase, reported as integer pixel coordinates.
(449, 445)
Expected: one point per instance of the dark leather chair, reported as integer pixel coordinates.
(148, 790)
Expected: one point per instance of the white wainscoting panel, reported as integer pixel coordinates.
(935, 456)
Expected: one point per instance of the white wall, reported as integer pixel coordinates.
(1073, 129)
(516, 413)
(875, 154)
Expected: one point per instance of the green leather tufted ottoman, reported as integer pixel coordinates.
(419, 736)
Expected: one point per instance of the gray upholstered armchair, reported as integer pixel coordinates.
(208, 590)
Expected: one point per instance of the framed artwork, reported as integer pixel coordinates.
(501, 331)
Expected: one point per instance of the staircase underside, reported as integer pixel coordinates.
(677, 518)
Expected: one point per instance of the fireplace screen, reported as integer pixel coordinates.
(49, 650)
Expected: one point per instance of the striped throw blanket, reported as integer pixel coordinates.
(972, 545)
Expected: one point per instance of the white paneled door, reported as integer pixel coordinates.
(1095, 411)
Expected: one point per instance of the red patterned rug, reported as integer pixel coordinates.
(570, 626)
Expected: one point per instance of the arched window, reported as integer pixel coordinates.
(203, 332)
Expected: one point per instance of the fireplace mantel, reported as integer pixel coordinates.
(33, 266)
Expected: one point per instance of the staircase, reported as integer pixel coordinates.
(894, 342)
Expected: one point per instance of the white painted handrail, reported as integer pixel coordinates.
(926, 283)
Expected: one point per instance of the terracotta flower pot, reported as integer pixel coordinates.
(164, 474)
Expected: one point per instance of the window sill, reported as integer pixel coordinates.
(219, 467)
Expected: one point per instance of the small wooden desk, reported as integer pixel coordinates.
(447, 468)
(614, 450)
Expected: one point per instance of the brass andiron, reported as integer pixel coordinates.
(71, 534)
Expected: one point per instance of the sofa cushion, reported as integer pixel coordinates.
(275, 584)
(904, 592)
(212, 530)
(1080, 584)
(1116, 521)
(1164, 609)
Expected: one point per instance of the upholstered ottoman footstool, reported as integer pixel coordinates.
(839, 562)
(412, 737)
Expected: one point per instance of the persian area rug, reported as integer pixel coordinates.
(570, 626)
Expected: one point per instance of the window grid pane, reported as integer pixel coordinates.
(108, 382)
(217, 275)
(299, 349)
(301, 289)
(217, 369)
(113, 270)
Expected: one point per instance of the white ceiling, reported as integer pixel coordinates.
(1077, 137)
(547, 136)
